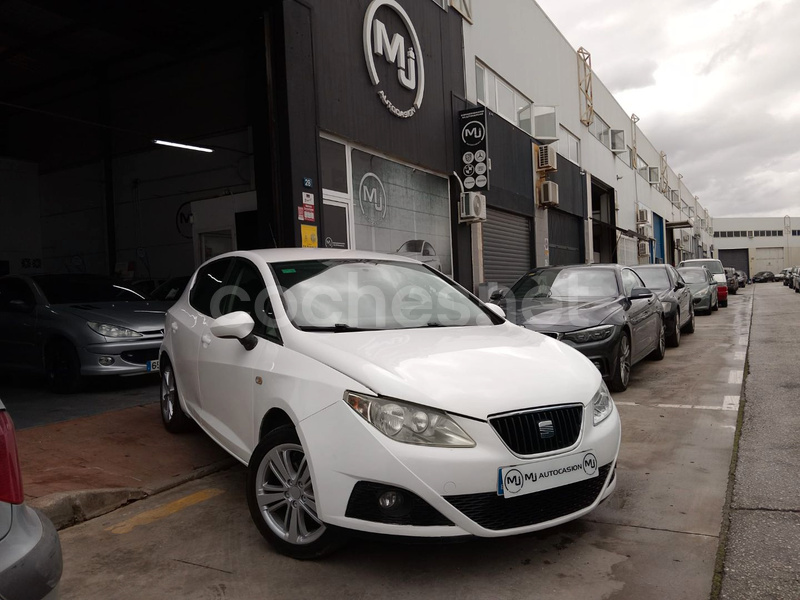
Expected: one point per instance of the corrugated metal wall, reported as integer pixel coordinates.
(506, 246)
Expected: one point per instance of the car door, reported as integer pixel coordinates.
(227, 370)
(641, 315)
(18, 339)
(186, 323)
(683, 294)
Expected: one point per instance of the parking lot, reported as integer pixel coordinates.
(656, 537)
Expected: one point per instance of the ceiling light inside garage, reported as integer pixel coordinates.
(183, 146)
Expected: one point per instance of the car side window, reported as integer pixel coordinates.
(15, 292)
(249, 294)
(675, 275)
(208, 282)
(427, 250)
(630, 280)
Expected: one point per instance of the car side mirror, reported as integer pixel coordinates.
(640, 294)
(497, 295)
(238, 325)
(496, 310)
(679, 285)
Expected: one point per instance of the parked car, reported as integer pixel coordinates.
(732, 280)
(717, 271)
(742, 277)
(71, 326)
(784, 275)
(422, 251)
(30, 551)
(604, 311)
(171, 289)
(675, 297)
(703, 287)
(370, 392)
(790, 276)
(763, 277)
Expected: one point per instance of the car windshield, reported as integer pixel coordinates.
(654, 278)
(171, 289)
(412, 246)
(712, 265)
(693, 275)
(352, 295)
(566, 284)
(79, 289)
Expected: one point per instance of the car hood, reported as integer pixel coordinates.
(139, 316)
(696, 288)
(473, 371)
(548, 314)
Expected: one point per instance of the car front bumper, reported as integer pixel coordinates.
(130, 357)
(345, 452)
(702, 302)
(30, 557)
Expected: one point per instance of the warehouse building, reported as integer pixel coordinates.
(758, 243)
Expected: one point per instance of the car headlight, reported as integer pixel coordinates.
(705, 292)
(602, 404)
(592, 334)
(113, 331)
(409, 423)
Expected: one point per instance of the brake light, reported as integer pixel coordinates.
(10, 474)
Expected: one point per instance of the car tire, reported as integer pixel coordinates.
(661, 346)
(734, 290)
(723, 304)
(281, 498)
(62, 367)
(715, 307)
(172, 415)
(674, 337)
(689, 327)
(618, 382)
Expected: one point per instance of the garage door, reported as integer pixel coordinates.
(767, 259)
(566, 238)
(738, 259)
(506, 246)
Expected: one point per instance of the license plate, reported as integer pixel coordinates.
(546, 474)
(152, 366)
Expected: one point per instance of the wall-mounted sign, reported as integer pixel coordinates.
(309, 235)
(306, 213)
(372, 198)
(308, 198)
(404, 53)
(474, 147)
(308, 182)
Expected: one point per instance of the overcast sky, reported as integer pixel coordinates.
(716, 85)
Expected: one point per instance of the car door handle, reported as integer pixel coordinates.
(174, 326)
(206, 339)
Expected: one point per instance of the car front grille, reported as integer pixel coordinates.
(498, 513)
(411, 510)
(140, 357)
(523, 434)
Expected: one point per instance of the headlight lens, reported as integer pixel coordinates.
(113, 331)
(703, 292)
(409, 423)
(592, 334)
(602, 404)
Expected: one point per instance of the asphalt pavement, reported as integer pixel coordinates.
(762, 550)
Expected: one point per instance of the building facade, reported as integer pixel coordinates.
(758, 243)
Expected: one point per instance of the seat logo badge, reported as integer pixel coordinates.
(546, 430)
(410, 68)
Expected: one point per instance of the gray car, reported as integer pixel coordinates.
(72, 326)
(701, 283)
(30, 551)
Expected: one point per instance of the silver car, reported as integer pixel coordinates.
(704, 289)
(422, 251)
(30, 551)
(71, 326)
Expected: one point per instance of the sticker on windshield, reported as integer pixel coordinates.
(288, 270)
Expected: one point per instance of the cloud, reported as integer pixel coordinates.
(713, 83)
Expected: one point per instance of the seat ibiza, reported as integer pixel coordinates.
(368, 392)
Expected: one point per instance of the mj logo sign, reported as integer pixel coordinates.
(372, 198)
(404, 54)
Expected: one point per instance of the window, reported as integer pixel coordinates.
(208, 282)
(717, 234)
(500, 97)
(569, 146)
(630, 280)
(250, 295)
(15, 295)
(506, 107)
(600, 129)
(333, 164)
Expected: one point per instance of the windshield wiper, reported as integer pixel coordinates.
(337, 328)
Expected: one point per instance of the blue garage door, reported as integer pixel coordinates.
(658, 235)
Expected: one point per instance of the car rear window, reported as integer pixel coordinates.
(655, 279)
(714, 266)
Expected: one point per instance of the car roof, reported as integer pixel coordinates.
(276, 255)
(635, 267)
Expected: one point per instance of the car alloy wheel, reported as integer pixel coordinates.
(282, 500)
(661, 347)
(622, 373)
(689, 327)
(674, 339)
(63, 367)
(172, 415)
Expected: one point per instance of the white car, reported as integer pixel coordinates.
(369, 392)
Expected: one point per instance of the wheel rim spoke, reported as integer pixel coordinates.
(269, 500)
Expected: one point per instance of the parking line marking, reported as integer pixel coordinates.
(674, 406)
(736, 376)
(731, 403)
(150, 516)
(743, 340)
(740, 355)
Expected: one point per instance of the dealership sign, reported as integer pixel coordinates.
(404, 54)
(474, 149)
(372, 198)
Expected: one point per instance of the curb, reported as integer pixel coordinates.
(66, 509)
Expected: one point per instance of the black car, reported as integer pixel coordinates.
(733, 280)
(763, 277)
(676, 299)
(604, 311)
(742, 277)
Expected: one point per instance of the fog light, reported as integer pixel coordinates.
(106, 361)
(390, 499)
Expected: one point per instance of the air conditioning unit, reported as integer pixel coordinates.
(675, 197)
(644, 248)
(685, 238)
(679, 244)
(643, 216)
(546, 160)
(710, 231)
(548, 194)
(644, 231)
(618, 140)
(651, 175)
(473, 207)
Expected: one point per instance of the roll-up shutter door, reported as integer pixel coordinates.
(566, 238)
(506, 246)
(738, 259)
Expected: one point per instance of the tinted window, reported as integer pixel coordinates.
(694, 275)
(208, 282)
(655, 279)
(714, 266)
(171, 289)
(567, 283)
(80, 289)
(249, 294)
(15, 291)
(630, 281)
